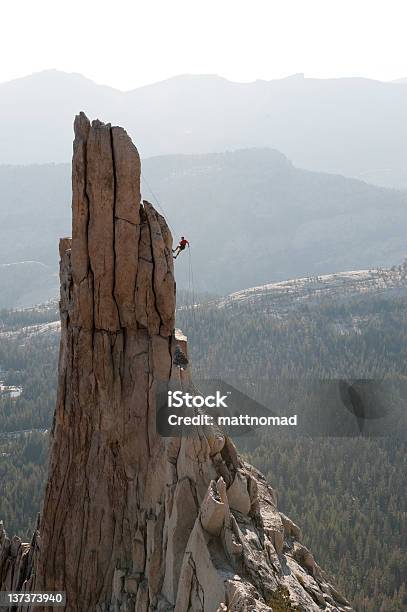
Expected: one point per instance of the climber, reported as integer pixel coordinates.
(182, 244)
(180, 359)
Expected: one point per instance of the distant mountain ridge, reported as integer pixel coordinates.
(352, 126)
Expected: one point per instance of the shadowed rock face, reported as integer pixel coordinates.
(131, 521)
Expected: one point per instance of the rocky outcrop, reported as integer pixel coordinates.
(132, 521)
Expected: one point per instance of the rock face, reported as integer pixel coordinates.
(132, 521)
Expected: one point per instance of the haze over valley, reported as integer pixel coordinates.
(252, 217)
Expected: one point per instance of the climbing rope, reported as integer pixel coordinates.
(191, 296)
(191, 285)
(192, 306)
(165, 214)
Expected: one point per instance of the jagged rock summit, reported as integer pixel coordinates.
(132, 521)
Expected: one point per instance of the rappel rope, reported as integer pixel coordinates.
(157, 202)
(191, 284)
(191, 296)
(193, 304)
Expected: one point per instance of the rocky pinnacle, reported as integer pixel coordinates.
(132, 522)
(117, 313)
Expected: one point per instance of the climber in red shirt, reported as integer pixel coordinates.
(182, 245)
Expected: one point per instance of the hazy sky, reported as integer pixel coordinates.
(127, 43)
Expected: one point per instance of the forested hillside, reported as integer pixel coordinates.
(28, 360)
(347, 494)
